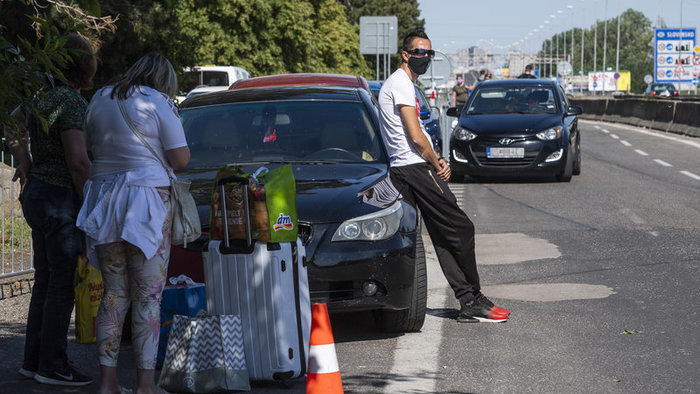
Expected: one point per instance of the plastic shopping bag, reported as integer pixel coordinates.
(89, 289)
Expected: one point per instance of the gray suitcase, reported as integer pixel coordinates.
(267, 285)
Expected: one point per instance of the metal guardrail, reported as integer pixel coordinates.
(15, 247)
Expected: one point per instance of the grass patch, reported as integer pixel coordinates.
(16, 233)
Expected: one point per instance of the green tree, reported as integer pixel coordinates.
(31, 49)
(406, 11)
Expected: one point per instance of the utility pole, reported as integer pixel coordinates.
(595, 42)
(617, 52)
(583, 13)
(605, 41)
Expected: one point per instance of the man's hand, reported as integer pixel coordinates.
(21, 174)
(444, 170)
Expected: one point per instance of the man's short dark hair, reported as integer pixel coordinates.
(528, 67)
(411, 36)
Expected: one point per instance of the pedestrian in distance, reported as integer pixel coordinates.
(527, 74)
(127, 212)
(460, 93)
(52, 173)
(421, 176)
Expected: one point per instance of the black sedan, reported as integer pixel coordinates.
(514, 127)
(362, 243)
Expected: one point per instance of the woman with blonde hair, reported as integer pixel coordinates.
(126, 215)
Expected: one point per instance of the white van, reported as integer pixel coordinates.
(205, 79)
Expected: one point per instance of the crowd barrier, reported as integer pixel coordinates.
(669, 115)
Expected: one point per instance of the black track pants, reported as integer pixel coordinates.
(449, 227)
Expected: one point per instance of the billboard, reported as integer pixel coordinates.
(609, 81)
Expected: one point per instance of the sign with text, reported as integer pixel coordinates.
(609, 81)
(674, 54)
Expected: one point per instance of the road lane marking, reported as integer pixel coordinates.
(641, 152)
(417, 366)
(663, 163)
(658, 134)
(614, 136)
(597, 127)
(606, 131)
(632, 216)
(690, 174)
(625, 143)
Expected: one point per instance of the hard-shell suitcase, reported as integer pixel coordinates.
(267, 285)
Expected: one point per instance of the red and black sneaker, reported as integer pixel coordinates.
(482, 309)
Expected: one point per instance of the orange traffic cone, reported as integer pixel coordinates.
(323, 376)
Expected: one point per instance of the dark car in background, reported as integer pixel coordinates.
(364, 250)
(430, 121)
(662, 89)
(514, 127)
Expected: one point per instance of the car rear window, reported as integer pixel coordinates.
(195, 79)
(512, 99)
(289, 131)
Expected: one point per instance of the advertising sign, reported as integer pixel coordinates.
(610, 81)
(674, 55)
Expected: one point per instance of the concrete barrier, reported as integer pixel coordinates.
(675, 116)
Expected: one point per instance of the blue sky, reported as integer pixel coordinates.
(455, 24)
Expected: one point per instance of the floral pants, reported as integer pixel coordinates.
(132, 280)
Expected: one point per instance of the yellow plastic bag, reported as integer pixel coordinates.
(88, 295)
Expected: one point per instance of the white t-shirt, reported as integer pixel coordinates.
(398, 90)
(116, 148)
(121, 199)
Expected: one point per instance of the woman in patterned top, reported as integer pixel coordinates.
(52, 180)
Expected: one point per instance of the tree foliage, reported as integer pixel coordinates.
(32, 52)
(636, 51)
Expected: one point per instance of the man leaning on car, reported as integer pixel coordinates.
(421, 177)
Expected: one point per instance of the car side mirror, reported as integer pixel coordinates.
(453, 111)
(424, 114)
(574, 110)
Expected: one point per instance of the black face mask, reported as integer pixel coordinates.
(419, 65)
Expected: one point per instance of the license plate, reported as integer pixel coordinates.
(505, 153)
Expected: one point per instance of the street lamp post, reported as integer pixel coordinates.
(605, 41)
(617, 52)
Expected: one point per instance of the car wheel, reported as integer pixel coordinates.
(565, 175)
(411, 319)
(577, 163)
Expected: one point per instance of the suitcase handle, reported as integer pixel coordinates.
(222, 192)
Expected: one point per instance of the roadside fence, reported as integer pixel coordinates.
(16, 244)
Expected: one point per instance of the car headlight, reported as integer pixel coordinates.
(464, 134)
(373, 227)
(549, 134)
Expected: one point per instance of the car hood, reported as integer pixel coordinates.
(326, 193)
(510, 124)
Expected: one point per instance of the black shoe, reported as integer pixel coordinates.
(482, 309)
(67, 376)
(27, 373)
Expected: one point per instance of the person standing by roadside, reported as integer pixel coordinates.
(127, 214)
(51, 182)
(421, 176)
(460, 93)
(527, 74)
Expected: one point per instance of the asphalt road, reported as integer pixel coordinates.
(601, 275)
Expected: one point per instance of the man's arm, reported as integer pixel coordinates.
(422, 144)
(18, 149)
(76, 155)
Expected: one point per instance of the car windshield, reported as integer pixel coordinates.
(663, 87)
(512, 99)
(194, 79)
(288, 131)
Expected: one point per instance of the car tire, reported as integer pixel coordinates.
(577, 163)
(567, 172)
(411, 319)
